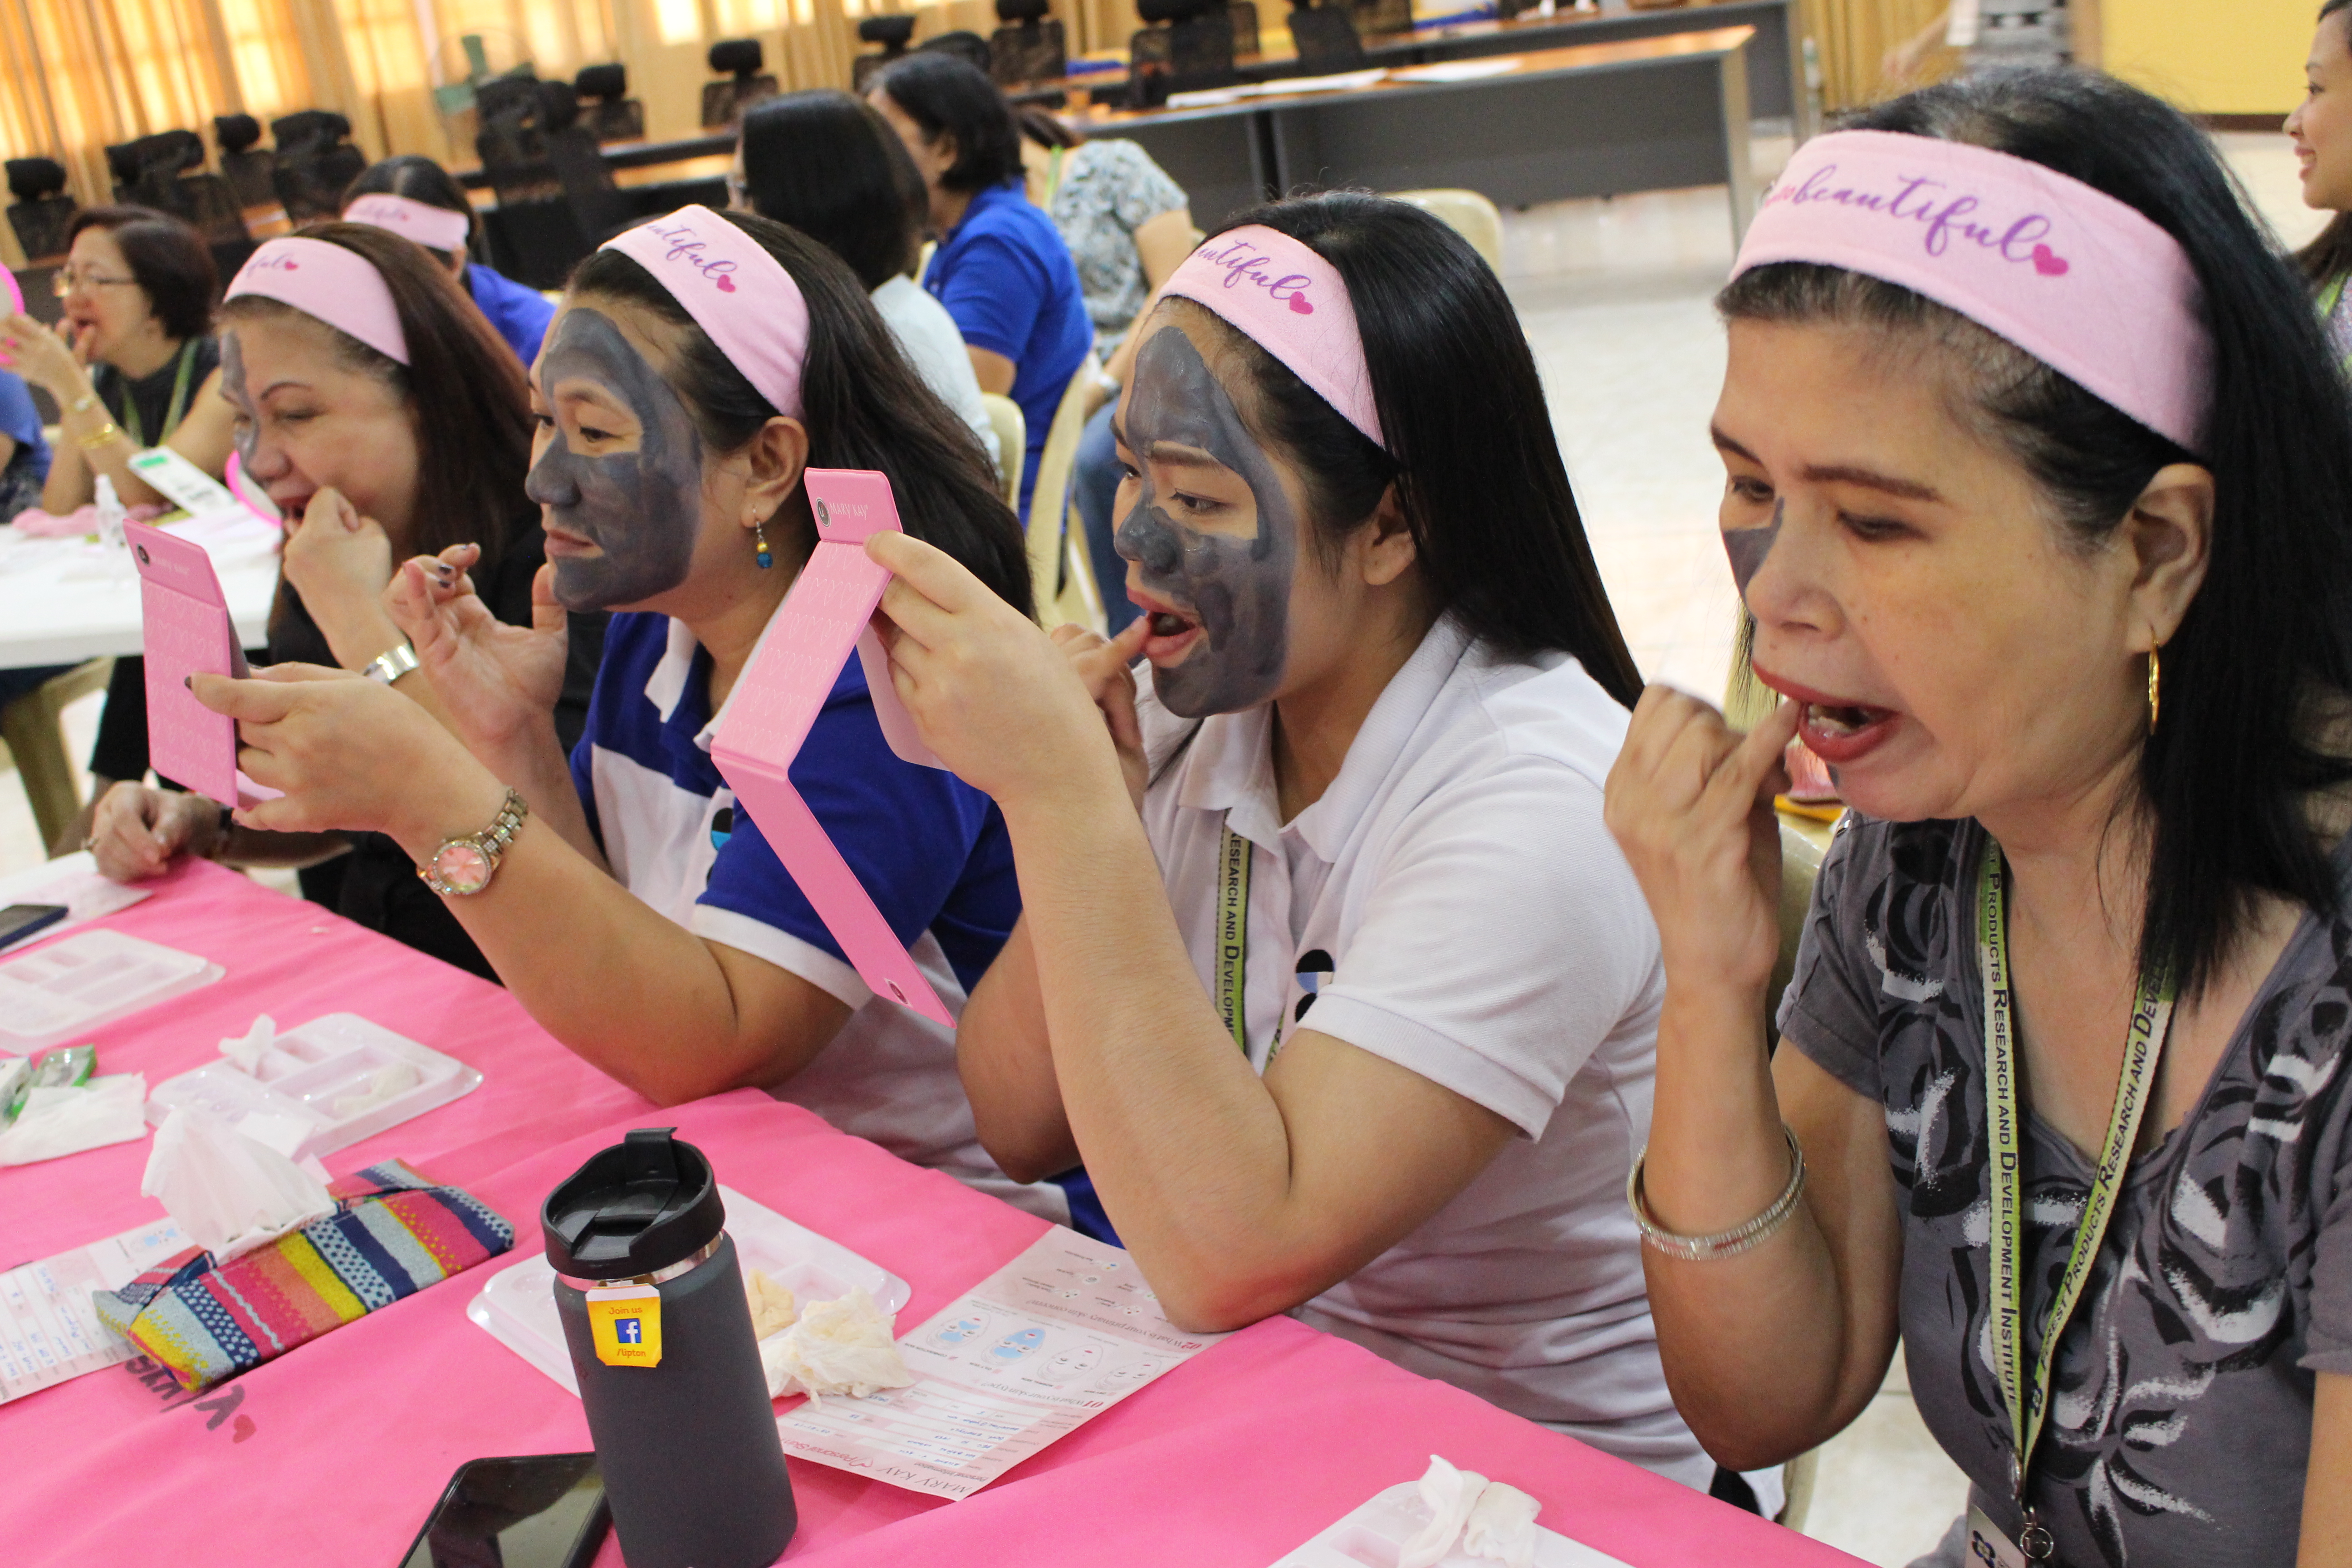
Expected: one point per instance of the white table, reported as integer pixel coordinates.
(65, 600)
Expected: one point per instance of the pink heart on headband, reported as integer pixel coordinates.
(1300, 306)
(2048, 262)
(727, 284)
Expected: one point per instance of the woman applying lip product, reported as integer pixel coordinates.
(636, 912)
(1328, 967)
(2060, 1097)
(382, 417)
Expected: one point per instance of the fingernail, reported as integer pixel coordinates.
(189, 681)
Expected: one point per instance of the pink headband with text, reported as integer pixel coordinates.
(1291, 303)
(2085, 283)
(437, 228)
(735, 291)
(340, 288)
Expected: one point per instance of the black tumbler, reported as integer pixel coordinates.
(689, 1447)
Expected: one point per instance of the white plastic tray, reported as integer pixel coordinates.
(518, 1306)
(307, 1078)
(1374, 1536)
(52, 994)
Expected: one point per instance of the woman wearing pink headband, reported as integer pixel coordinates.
(380, 416)
(699, 362)
(1328, 968)
(2038, 477)
(415, 197)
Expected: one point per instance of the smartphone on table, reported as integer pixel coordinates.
(18, 922)
(541, 1510)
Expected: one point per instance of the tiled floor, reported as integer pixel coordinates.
(1614, 296)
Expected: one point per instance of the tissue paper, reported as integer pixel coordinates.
(773, 1308)
(246, 1051)
(228, 1194)
(1451, 1494)
(68, 1119)
(1502, 1526)
(837, 1347)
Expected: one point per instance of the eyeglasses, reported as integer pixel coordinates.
(67, 279)
(738, 195)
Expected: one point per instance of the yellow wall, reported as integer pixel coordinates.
(2212, 57)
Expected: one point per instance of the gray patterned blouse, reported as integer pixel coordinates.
(2180, 1422)
(1109, 189)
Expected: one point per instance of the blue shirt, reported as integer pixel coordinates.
(520, 314)
(931, 851)
(19, 418)
(1006, 276)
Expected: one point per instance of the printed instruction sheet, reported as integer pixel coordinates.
(1050, 1341)
(48, 1331)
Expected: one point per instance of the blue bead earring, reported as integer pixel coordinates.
(759, 542)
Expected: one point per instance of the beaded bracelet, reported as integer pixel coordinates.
(1725, 1243)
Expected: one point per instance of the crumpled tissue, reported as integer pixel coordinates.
(229, 1193)
(773, 1308)
(67, 1119)
(246, 1049)
(843, 1346)
(1490, 1520)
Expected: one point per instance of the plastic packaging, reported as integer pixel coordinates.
(65, 989)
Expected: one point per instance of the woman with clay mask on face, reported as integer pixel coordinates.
(2063, 1096)
(1355, 1021)
(380, 416)
(637, 911)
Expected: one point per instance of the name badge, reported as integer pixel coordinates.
(625, 1323)
(1989, 1546)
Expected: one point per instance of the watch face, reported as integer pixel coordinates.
(461, 867)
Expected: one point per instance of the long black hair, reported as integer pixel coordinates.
(947, 96)
(2329, 255)
(864, 405)
(1471, 451)
(420, 179)
(829, 166)
(2256, 674)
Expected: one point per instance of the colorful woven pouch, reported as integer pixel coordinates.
(393, 1233)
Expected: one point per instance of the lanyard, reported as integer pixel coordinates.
(1232, 934)
(131, 425)
(2151, 1016)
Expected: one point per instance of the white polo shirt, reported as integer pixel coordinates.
(1453, 904)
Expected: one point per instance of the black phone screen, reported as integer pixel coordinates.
(22, 919)
(543, 1511)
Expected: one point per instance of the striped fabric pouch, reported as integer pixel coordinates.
(393, 1233)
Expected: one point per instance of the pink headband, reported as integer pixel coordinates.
(340, 288)
(2082, 282)
(1289, 302)
(735, 291)
(437, 228)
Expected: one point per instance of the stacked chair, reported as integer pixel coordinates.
(723, 102)
(42, 212)
(606, 107)
(248, 173)
(1029, 47)
(892, 33)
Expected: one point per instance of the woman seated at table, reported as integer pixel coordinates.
(827, 164)
(1355, 1022)
(2063, 1099)
(1128, 225)
(132, 364)
(428, 205)
(383, 417)
(1000, 269)
(637, 911)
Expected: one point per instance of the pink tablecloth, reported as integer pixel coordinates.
(334, 1453)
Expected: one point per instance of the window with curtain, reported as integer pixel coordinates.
(558, 37)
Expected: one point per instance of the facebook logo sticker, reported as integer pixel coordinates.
(629, 1331)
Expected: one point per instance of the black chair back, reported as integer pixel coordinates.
(1326, 40)
(314, 165)
(42, 211)
(1029, 47)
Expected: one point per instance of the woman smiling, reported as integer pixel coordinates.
(1328, 967)
(2062, 1105)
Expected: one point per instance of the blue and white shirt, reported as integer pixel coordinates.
(931, 850)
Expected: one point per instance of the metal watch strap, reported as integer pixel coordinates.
(491, 842)
(392, 664)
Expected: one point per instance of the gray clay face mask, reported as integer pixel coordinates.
(642, 508)
(1236, 589)
(1747, 547)
(248, 439)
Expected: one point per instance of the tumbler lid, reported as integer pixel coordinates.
(641, 1205)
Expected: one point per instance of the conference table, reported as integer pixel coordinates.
(1593, 119)
(335, 1451)
(65, 600)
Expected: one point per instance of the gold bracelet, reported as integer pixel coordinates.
(104, 435)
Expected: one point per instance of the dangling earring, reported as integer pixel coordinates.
(766, 559)
(2151, 688)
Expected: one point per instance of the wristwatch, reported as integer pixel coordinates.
(392, 664)
(465, 866)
